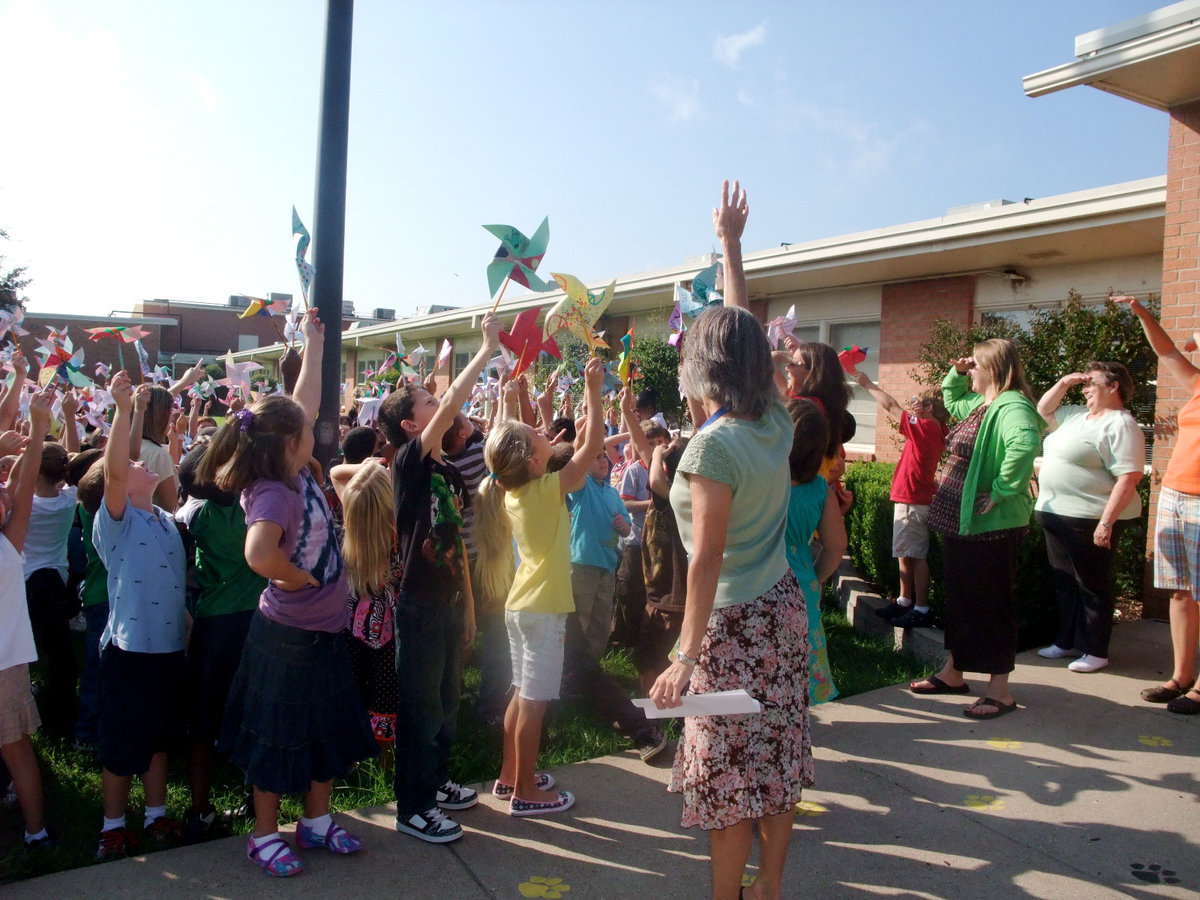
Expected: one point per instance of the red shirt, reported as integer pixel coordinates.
(914, 479)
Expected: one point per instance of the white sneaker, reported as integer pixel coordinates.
(1087, 663)
(1055, 652)
(431, 826)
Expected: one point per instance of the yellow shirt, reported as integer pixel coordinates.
(542, 529)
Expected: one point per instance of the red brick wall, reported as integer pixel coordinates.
(103, 350)
(1180, 282)
(908, 311)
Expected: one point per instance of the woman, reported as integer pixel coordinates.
(1176, 535)
(745, 624)
(1091, 465)
(982, 507)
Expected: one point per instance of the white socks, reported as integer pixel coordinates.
(153, 814)
(110, 824)
(265, 839)
(320, 825)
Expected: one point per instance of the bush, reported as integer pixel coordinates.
(869, 530)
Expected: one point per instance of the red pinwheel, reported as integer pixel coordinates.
(525, 340)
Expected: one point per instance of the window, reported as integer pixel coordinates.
(461, 361)
(862, 406)
(367, 362)
(247, 342)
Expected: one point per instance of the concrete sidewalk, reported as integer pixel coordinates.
(1087, 791)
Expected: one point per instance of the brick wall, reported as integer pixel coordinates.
(907, 312)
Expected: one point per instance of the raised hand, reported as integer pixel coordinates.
(963, 364)
(39, 409)
(12, 443)
(141, 396)
(312, 327)
(491, 330)
(70, 405)
(122, 391)
(729, 218)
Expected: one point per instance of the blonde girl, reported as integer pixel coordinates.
(294, 720)
(521, 501)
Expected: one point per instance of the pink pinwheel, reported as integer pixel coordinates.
(780, 327)
(237, 375)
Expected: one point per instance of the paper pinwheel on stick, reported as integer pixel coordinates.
(625, 364)
(10, 320)
(237, 375)
(517, 259)
(122, 334)
(705, 291)
(64, 364)
(303, 267)
(579, 310)
(850, 357)
(781, 326)
(527, 341)
(676, 321)
(444, 354)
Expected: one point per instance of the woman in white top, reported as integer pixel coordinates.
(1091, 465)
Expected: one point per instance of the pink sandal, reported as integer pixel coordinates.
(337, 839)
(274, 857)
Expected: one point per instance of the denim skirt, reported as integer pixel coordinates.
(294, 714)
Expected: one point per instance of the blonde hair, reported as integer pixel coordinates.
(369, 513)
(506, 453)
(999, 358)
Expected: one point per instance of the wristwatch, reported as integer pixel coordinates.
(682, 657)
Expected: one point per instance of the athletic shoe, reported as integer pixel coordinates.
(431, 826)
(336, 840)
(455, 796)
(519, 807)
(116, 843)
(1088, 663)
(543, 781)
(651, 744)
(44, 844)
(892, 610)
(914, 618)
(164, 833)
(1055, 652)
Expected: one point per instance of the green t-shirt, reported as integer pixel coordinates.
(752, 458)
(95, 576)
(227, 584)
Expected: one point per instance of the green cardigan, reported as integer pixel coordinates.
(1010, 437)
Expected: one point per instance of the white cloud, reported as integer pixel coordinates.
(728, 48)
(745, 98)
(839, 139)
(205, 91)
(681, 95)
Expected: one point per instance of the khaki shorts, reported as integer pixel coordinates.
(18, 710)
(910, 531)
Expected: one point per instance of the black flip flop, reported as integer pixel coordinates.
(939, 687)
(1000, 709)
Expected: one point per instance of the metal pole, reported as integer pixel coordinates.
(329, 216)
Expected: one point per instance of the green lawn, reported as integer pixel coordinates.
(573, 733)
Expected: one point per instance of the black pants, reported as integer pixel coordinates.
(1083, 581)
(50, 609)
(981, 618)
(629, 608)
(582, 675)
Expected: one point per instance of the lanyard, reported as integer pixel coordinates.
(720, 412)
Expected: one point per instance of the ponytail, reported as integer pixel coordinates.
(506, 453)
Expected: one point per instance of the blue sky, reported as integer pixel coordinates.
(156, 149)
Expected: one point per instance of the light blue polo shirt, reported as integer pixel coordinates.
(594, 542)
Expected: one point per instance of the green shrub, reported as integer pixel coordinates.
(869, 531)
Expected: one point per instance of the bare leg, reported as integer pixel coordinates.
(116, 794)
(266, 813)
(730, 850)
(951, 676)
(27, 780)
(774, 836)
(1185, 631)
(920, 579)
(316, 801)
(508, 763)
(997, 689)
(154, 781)
(907, 588)
(528, 737)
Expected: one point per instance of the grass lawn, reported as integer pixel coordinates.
(573, 733)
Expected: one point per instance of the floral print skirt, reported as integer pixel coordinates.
(731, 768)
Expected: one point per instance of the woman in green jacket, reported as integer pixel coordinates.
(982, 509)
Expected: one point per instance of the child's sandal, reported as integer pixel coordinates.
(337, 839)
(274, 857)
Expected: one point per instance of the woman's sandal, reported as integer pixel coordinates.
(988, 708)
(1185, 705)
(1163, 693)
(939, 686)
(274, 857)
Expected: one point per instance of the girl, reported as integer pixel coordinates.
(294, 720)
(154, 405)
(520, 500)
(812, 506)
(373, 565)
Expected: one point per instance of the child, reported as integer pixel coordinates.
(93, 593)
(520, 500)
(432, 624)
(813, 506)
(925, 425)
(18, 711)
(224, 607)
(142, 647)
(294, 720)
(374, 570)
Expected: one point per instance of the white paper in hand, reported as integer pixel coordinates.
(717, 703)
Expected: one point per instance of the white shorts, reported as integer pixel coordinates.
(910, 531)
(536, 643)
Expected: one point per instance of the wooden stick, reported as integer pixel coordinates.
(500, 295)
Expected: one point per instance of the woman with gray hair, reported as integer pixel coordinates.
(745, 625)
(1092, 462)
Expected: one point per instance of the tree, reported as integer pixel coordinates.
(12, 282)
(658, 371)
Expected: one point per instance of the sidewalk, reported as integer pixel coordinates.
(1087, 792)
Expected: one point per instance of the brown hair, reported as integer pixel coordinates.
(825, 379)
(1114, 373)
(395, 409)
(253, 444)
(810, 436)
(158, 415)
(932, 397)
(999, 358)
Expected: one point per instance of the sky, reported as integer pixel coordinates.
(155, 150)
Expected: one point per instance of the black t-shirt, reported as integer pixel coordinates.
(430, 497)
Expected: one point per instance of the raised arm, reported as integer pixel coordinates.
(190, 377)
(25, 474)
(70, 435)
(882, 397)
(956, 393)
(116, 451)
(573, 474)
(308, 383)
(641, 443)
(141, 398)
(729, 220)
(1164, 348)
(460, 389)
(12, 395)
(1052, 399)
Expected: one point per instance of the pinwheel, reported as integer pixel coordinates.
(676, 321)
(237, 375)
(368, 410)
(850, 357)
(102, 370)
(625, 363)
(502, 362)
(778, 328)
(517, 259)
(10, 320)
(579, 310)
(704, 291)
(444, 354)
(527, 341)
(63, 361)
(303, 267)
(122, 334)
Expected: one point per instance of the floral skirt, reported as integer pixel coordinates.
(731, 768)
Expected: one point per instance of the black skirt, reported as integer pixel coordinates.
(294, 714)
